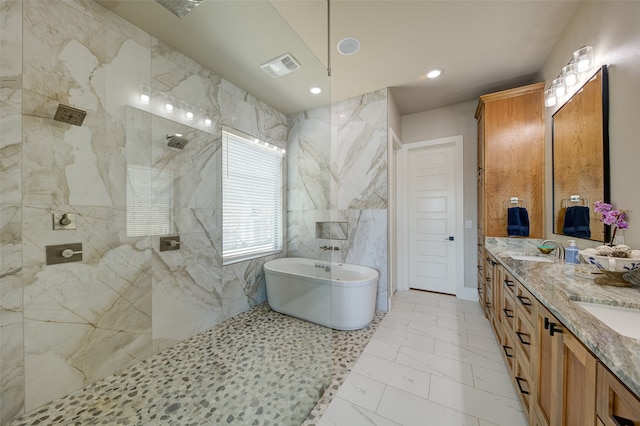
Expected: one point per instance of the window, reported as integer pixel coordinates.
(252, 191)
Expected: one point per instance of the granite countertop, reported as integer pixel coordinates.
(557, 290)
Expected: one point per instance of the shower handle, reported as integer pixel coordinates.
(67, 253)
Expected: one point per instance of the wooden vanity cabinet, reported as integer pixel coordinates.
(565, 375)
(510, 164)
(491, 281)
(510, 158)
(616, 405)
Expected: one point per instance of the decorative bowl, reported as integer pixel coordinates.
(545, 249)
(613, 268)
(613, 264)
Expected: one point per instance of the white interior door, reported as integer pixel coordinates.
(431, 218)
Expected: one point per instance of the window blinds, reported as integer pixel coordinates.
(251, 199)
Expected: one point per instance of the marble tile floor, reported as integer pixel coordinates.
(258, 368)
(432, 361)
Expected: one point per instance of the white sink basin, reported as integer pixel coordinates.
(530, 257)
(622, 320)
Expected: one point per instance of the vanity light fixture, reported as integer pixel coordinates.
(550, 98)
(575, 72)
(583, 57)
(559, 87)
(168, 106)
(570, 74)
(145, 95)
(434, 73)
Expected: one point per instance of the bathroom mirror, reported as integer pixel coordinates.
(580, 141)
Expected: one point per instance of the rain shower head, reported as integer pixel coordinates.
(179, 7)
(177, 141)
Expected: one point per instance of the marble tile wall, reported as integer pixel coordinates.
(11, 307)
(338, 172)
(126, 300)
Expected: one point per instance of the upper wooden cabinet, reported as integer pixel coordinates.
(511, 158)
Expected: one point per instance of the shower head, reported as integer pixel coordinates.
(179, 7)
(177, 141)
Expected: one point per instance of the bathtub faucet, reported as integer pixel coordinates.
(329, 248)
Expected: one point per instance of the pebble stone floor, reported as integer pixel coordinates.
(257, 368)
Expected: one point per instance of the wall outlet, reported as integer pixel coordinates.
(468, 224)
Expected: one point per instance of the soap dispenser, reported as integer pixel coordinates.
(571, 253)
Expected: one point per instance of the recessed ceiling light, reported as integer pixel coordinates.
(348, 46)
(435, 73)
(315, 90)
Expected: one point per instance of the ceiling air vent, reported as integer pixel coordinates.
(282, 65)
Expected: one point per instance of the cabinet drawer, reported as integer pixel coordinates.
(509, 284)
(507, 313)
(524, 386)
(615, 404)
(525, 301)
(523, 338)
(508, 349)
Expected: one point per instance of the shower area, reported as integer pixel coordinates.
(135, 172)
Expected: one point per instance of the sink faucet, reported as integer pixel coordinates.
(559, 249)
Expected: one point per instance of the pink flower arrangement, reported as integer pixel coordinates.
(615, 218)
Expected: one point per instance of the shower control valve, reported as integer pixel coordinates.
(67, 253)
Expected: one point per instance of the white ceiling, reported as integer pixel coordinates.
(483, 46)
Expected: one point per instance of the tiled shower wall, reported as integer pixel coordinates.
(346, 150)
(125, 301)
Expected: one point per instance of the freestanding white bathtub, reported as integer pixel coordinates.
(335, 295)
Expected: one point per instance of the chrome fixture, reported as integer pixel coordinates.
(63, 253)
(559, 249)
(170, 243)
(177, 141)
(179, 7)
(64, 221)
(570, 76)
(326, 268)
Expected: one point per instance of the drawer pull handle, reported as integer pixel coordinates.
(621, 421)
(524, 300)
(508, 283)
(520, 334)
(507, 354)
(507, 313)
(488, 305)
(488, 279)
(522, 391)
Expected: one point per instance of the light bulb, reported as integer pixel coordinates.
(583, 58)
(550, 98)
(558, 87)
(570, 75)
(434, 73)
(144, 99)
(189, 115)
(315, 90)
(207, 122)
(168, 106)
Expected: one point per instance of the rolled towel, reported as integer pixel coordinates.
(517, 222)
(576, 222)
